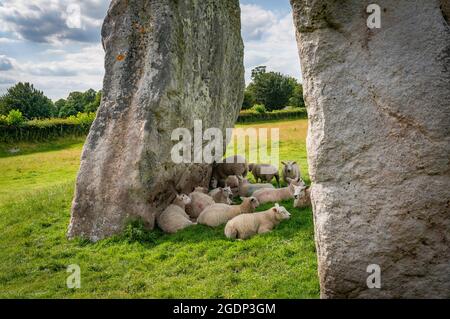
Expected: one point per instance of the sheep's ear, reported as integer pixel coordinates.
(277, 205)
(294, 162)
(283, 162)
(243, 198)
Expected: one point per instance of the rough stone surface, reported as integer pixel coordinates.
(378, 144)
(168, 63)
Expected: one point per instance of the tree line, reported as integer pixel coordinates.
(33, 104)
(268, 91)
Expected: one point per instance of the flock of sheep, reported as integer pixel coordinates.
(214, 208)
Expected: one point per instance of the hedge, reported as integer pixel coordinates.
(245, 117)
(39, 130)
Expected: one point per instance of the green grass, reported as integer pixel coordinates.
(198, 262)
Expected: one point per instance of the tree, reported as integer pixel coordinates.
(93, 106)
(31, 102)
(271, 89)
(296, 99)
(59, 105)
(249, 100)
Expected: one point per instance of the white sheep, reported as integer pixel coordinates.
(247, 189)
(267, 195)
(199, 201)
(222, 195)
(247, 225)
(302, 196)
(219, 214)
(291, 171)
(174, 217)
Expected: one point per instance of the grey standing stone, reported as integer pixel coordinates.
(378, 144)
(168, 63)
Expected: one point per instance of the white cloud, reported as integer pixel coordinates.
(269, 40)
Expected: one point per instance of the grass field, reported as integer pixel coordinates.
(36, 188)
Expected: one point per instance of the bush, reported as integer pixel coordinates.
(252, 116)
(37, 130)
(14, 117)
(259, 108)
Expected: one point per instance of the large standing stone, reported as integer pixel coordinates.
(168, 63)
(378, 144)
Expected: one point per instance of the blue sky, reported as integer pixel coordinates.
(41, 43)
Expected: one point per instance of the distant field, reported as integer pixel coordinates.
(36, 188)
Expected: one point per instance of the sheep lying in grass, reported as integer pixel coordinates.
(222, 195)
(233, 165)
(219, 214)
(302, 196)
(277, 195)
(291, 171)
(248, 189)
(247, 225)
(199, 201)
(233, 183)
(264, 172)
(174, 217)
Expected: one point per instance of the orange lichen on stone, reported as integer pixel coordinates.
(120, 57)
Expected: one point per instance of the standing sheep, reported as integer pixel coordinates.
(219, 214)
(174, 217)
(291, 171)
(222, 195)
(277, 195)
(264, 172)
(233, 165)
(247, 189)
(302, 196)
(247, 225)
(199, 201)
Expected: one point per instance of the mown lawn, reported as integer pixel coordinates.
(36, 188)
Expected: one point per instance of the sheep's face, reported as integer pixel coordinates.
(227, 192)
(299, 191)
(289, 166)
(242, 181)
(254, 202)
(281, 213)
(185, 199)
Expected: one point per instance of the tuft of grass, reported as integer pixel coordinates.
(198, 262)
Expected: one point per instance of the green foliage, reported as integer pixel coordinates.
(271, 89)
(38, 130)
(26, 99)
(252, 116)
(259, 108)
(79, 102)
(14, 117)
(296, 99)
(249, 100)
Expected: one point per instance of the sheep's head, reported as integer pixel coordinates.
(242, 181)
(250, 201)
(183, 198)
(227, 192)
(289, 166)
(281, 213)
(299, 189)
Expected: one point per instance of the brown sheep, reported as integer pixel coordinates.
(233, 183)
(174, 217)
(219, 214)
(276, 195)
(247, 225)
(222, 195)
(199, 201)
(233, 165)
(264, 172)
(247, 189)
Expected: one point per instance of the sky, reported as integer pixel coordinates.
(47, 43)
